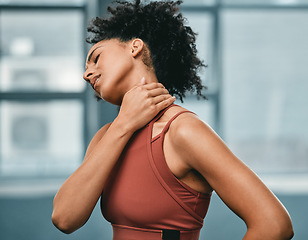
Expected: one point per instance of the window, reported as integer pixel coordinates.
(40, 138)
(257, 80)
(42, 94)
(264, 85)
(249, 3)
(202, 24)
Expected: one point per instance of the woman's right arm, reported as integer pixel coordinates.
(77, 197)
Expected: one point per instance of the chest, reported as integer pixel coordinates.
(141, 192)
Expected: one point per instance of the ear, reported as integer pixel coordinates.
(136, 46)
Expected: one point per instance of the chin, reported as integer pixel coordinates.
(97, 96)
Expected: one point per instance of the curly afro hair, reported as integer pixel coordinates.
(160, 25)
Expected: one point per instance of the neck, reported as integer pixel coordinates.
(136, 77)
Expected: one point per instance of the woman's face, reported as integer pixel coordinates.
(109, 67)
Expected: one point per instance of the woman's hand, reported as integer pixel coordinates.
(142, 103)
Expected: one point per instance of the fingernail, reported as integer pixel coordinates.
(142, 80)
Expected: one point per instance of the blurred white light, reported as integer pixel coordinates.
(22, 46)
(287, 1)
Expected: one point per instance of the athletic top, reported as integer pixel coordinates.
(142, 199)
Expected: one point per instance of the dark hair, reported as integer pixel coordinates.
(160, 25)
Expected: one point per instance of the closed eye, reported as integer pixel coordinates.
(96, 59)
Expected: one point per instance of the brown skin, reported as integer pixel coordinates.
(193, 152)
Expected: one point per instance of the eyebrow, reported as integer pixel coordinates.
(89, 58)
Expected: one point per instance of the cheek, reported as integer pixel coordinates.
(117, 66)
(116, 73)
(115, 78)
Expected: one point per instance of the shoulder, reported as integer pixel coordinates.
(187, 127)
(196, 141)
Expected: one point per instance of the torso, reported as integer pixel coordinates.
(176, 163)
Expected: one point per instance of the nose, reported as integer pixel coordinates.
(87, 75)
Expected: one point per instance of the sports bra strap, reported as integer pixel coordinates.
(162, 112)
(171, 120)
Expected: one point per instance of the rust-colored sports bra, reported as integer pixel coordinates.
(143, 200)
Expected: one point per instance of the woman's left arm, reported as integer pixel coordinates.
(238, 186)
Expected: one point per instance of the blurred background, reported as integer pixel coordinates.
(257, 78)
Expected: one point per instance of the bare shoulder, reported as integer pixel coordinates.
(198, 144)
(188, 126)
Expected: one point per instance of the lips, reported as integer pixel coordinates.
(95, 82)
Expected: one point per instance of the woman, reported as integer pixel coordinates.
(156, 165)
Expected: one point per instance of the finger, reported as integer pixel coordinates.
(157, 91)
(143, 81)
(154, 85)
(165, 103)
(160, 98)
